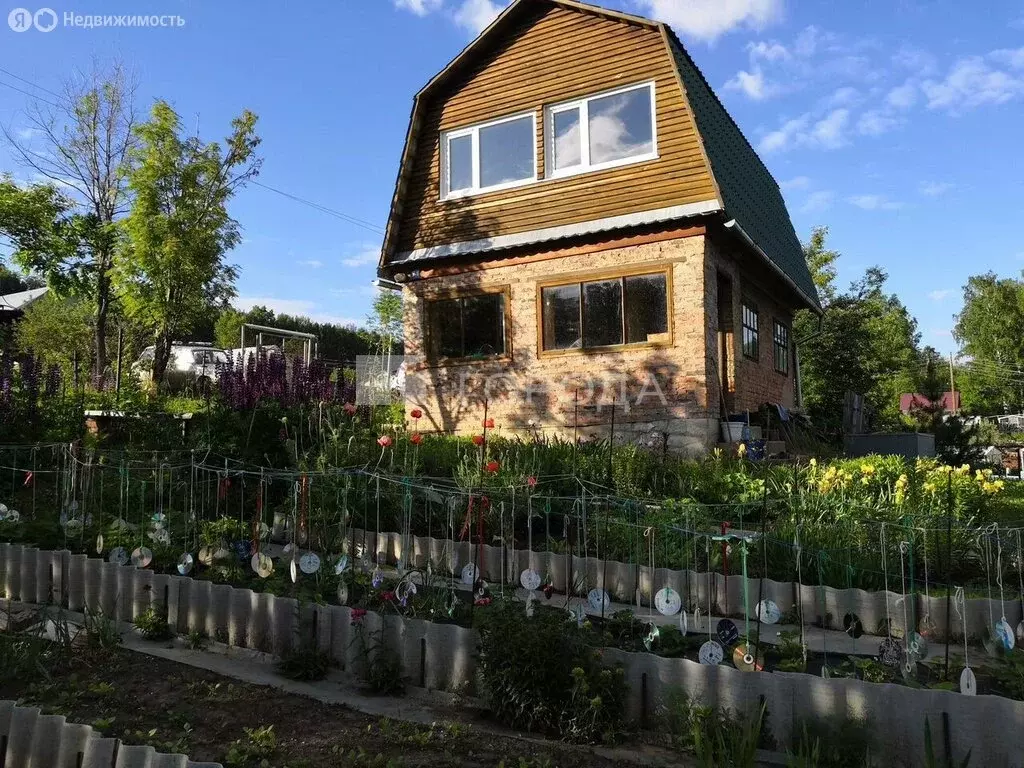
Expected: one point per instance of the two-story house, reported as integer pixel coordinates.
(585, 238)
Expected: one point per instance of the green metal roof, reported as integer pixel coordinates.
(750, 194)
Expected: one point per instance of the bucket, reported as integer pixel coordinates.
(732, 431)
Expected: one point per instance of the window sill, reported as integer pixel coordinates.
(464, 193)
(609, 349)
(449, 362)
(567, 173)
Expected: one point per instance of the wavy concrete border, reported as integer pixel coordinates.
(443, 657)
(725, 594)
(32, 739)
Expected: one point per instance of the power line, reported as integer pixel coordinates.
(323, 208)
(30, 95)
(29, 82)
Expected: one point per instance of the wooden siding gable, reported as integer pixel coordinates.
(536, 54)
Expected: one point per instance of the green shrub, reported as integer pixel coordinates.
(540, 674)
(152, 624)
(304, 662)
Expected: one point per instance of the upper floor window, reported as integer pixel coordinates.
(494, 155)
(632, 309)
(466, 326)
(781, 347)
(750, 332)
(602, 131)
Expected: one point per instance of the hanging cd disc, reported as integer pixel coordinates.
(12, 516)
(530, 579)
(968, 683)
(99, 544)
(890, 652)
(683, 623)
(1004, 634)
(242, 549)
(768, 612)
(185, 564)
(469, 574)
(653, 633)
(342, 593)
(221, 554)
(578, 614)
(1020, 631)
(926, 626)
(667, 601)
(598, 600)
(852, 625)
(745, 658)
(287, 549)
(141, 557)
(309, 563)
(293, 570)
(206, 555)
(727, 632)
(162, 536)
(917, 646)
(341, 565)
(118, 556)
(711, 653)
(262, 564)
(159, 518)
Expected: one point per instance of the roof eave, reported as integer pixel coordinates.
(811, 302)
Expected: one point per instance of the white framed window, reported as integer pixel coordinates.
(495, 155)
(605, 130)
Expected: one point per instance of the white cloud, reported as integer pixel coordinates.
(874, 203)
(844, 97)
(934, 188)
(797, 182)
(902, 96)
(785, 136)
(27, 134)
(1011, 58)
(709, 19)
(970, 83)
(750, 83)
(312, 263)
(818, 201)
(366, 254)
(939, 295)
(875, 122)
(772, 51)
(807, 41)
(302, 307)
(829, 131)
(477, 15)
(920, 62)
(419, 7)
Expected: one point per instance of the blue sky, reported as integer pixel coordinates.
(896, 123)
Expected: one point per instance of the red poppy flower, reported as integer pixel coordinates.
(384, 441)
(416, 438)
(531, 481)
(357, 615)
(548, 590)
(416, 413)
(492, 466)
(488, 423)
(478, 439)
(388, 596)
(350, 409)
(483, 601)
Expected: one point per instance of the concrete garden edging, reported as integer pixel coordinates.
(443, 656)
(32, 739)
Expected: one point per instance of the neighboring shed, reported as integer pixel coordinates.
(13, 305)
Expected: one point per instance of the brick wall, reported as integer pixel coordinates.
(529, 391)
(754, 382)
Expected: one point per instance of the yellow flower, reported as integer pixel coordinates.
(741, 451)
(867, 469)
(813, 463)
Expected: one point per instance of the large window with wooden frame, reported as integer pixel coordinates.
(601, 131)
(605, 312)
(496, 155)
(780, 347)
(466, 327)
(750, 324)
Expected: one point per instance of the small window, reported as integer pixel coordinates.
(750, 325)
(605, 313)
(780, 337)
(466, 327)
(494, 155)
(601, 131)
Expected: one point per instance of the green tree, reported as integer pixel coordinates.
(866, 342)
(171, 271)
(989, 331)
(59, 330)
(385, 320)
(81, 146)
